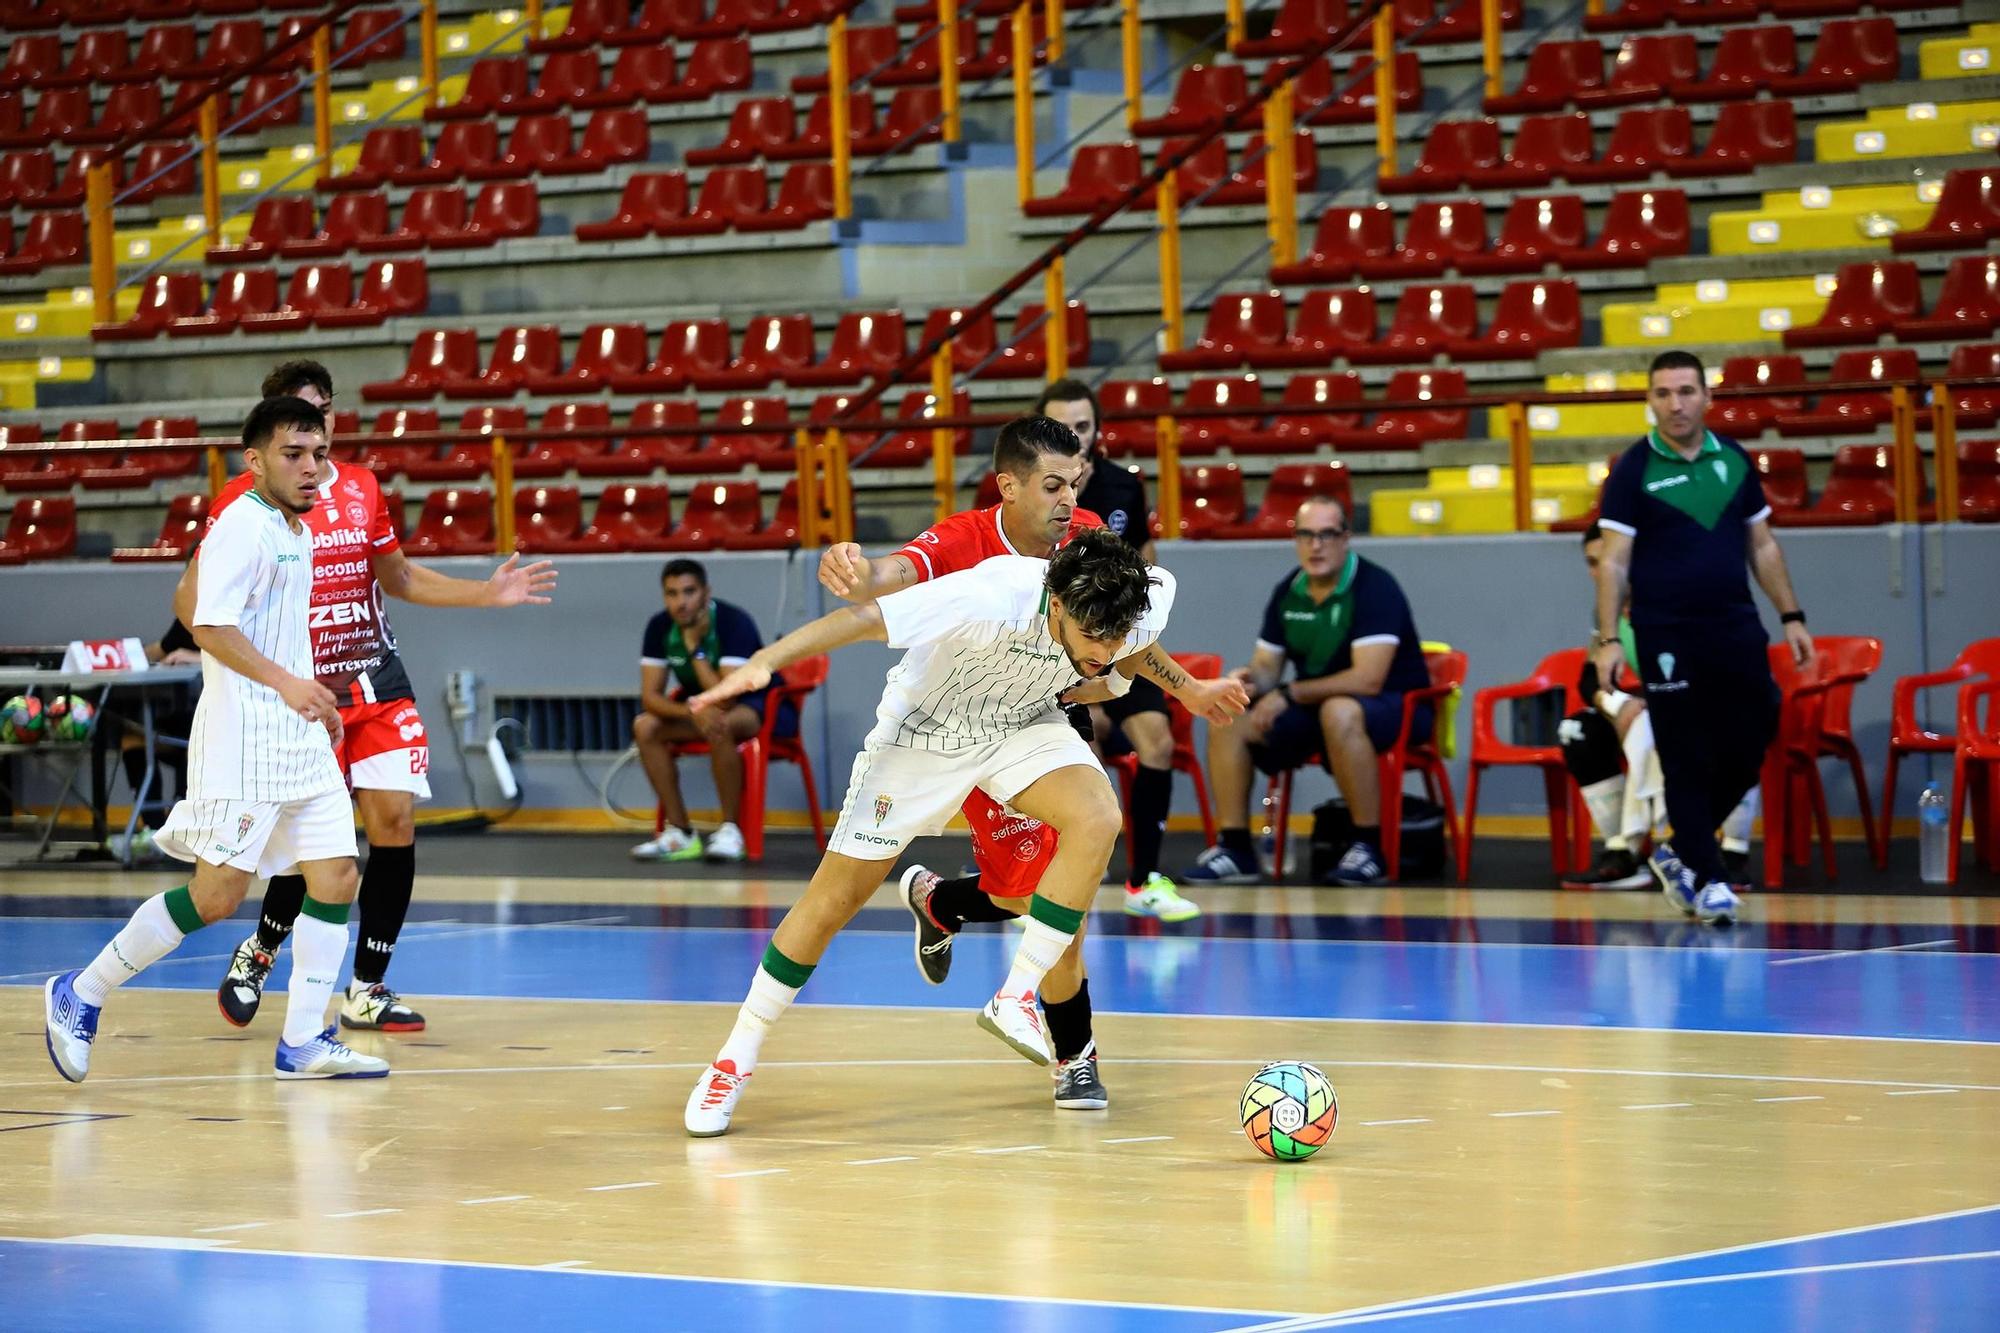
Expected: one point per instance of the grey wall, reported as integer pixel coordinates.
(1504, 601)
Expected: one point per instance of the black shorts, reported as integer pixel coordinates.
(1143, 697)
(1295, 737)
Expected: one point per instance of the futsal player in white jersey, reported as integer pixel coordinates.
(264, 792)
(972, 704)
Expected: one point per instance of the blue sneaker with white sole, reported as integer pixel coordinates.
(1218, 865)
(69, 1025)
(1717, 904)
(1677, 882)
(326, 1056)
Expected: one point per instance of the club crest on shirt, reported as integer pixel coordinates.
(357, 513)
(244, 823)
(883, 804)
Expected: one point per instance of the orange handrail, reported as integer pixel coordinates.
(1944, 448)
(942, 473)
(1385, 90)
(1489, 43)
(1055, 332)
(843, 152)
(1024, 99)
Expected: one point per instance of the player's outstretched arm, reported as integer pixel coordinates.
(853, 577)
(836, 629)
(1215, 700)
(512, 584)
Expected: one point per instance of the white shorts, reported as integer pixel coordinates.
(262, 837)
(895, 793)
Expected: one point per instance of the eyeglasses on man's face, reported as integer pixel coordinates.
(1314, 536)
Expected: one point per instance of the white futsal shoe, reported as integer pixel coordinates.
(1017, 1020)
(714, 1099)
(326, 1056)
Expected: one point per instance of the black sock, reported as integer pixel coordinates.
(282, 899)
(1152, 792)
(955, 902)
(385, 900)
(1069, 1022)
(1236, 841)
(1370, 834)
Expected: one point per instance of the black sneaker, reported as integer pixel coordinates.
(933, 942)
(1360, 867)
(243, 989)
(1615, 869)
(1078, 1088)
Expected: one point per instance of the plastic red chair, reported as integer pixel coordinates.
(164, 298)
(772, 344)
(1203, 96)
(1849, 53)
(555, 454)
(1860, 490)
(1410, 428)
(349, 219)
(1026, 353)
(1814, 723)
(1247, 185)
(590, 23)
(1967, 213)
(1556, 72)
(731, 17)
(718, 65)
(1211, 498)
(313, 290)
(648, 199)
(1532, 315)
(713, 509)
(657, 19)
(520, 352)
(1430, 318)
(755, 125)
(1975, 408)
(186, 520)
(1237, 324)
(1301, 432)
(793, 15)
(238, 292)
(602, 351)
(31, 58)
(1319, 102)
(1206, 434)
(728, 194)
(536, 144)
(1782, 473)
(1746, 135)
(1746, 61)
(915, 116)
(27, 177)
(1098, 174)
(565, 77)
(1644, 69)
(462, 147)
(1979, 659)
(162, 168)
(454, 522)
(1639, 226)
(1974, 760)
(548, 520)
(1451, 149)
(59, 114)
(1447, 674)
(771, 445)
(815, 140)
(1331, 322)
(389, 152)
(1968, 303)
(805, 196)
(493, 84)
(1538, 229)
(975, 341)
(1746, 417)
(687, 346)
(1546, 148)
(429, 214)
(869, 47)
(1180, 722)
(1868, 300)
(1290, 485)
(628, 518)
(1853, 412)
(865, 343)
(910, 448)
(638, 454)
(435, 356)
(503, 210)
(640, 74)
(1558, 672)
(389, 287)
(1130, 409)
(1438, 235)
(781, 533)
(800, 679)
(1643, 141)
(1343, 239)
(165, 49)
(275, 221)
(42, 528)
(471, 456)
(136, 106)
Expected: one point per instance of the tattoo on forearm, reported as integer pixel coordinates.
(1165, 670)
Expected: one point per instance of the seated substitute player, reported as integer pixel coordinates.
(1037, 462)
(1607, 747)
(695, 640)
(971, 704)
(264, 788)
(384, 751)
(1345, 627)
(1138, 722)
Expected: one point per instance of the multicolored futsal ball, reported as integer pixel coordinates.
(1289, 1110)
(69, 717)
(21, 721)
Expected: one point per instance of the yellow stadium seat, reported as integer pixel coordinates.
(1718, 310)
(1822, 218)
(1921, 129)
(1424, 511)
(1960, 57)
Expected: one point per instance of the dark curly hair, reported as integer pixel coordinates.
(288, 377)
(1103, 583)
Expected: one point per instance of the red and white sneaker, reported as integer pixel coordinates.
(1017, 1020)
(713, 1100)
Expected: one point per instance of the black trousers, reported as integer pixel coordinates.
(1714, 707)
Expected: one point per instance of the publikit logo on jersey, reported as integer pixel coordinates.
(883, 804)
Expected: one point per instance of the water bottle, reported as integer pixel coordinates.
(1933, 838)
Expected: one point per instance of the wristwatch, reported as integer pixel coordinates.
(1792, 618)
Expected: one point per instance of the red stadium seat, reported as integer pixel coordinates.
(865, 343)
(919, 63)
(237, 293)
(277, 220)
(772, 345)
(162, 169)
(1555, 675)
(1746, 61)
(1868, 300)
(1437, 235)
(1237, 324)
(1299, 26)
(915, 116)
(1291, 485)
(388, 152)
(1430, 318)
(430, 213)
(1098, 175)
(728, 194)
(551, 457)
(855, 432)
(1645, 69)
(461, 148)
(768, 446)
(1303, 433)
(164, 297)
(629, 518)
(59, 114)
(1532, 316)
(1860, 491)
(164, 49)
(454, 522)
(719, 65)
(1747, 417)
(1211, 499)
(688, 346)
(1319, 102)
(471, 456)
(185, 521)
(997, 56)
(1746, 135)
(26, 175)
(1246, 184)
(793, 15)
(141, 467)
(869, 47)
(715, 510)
(503, 210)
(537, 144)
(1782, 472)
(1854, 412)
(1975, 407)
(548, 520)
(1148, 399)
(519, 353)
(270, 101)
(385, 460)
(565, 77)
(1643, 141)
(638, 454)
(389, 288)
(42, 528)
(756, 124)
(649, 198)
(1420, 22)
(640, 74)
(186, 108)
(128, 109)
(604, 350)
(1204, 96)
(1026, 353)
(1979, 481)
(1538, 230)
(1342, 240)
(1452, 148)
(731, 17)
(657, 19)
(31, 57)
(974, 343)
(493, 84)
(232, 44)
(590, 22)
(1849, 53)
(815, 140)
(1408, 428)
(1557, 72)
(314, 291)
(350, 218)
(910, 448)
(805, 196)
(1968, 303)
(1967, 213)
(1330, 323)
(1639, 226)
(68, 192)
(1546, 148)
(435, 356)
(1205, 434)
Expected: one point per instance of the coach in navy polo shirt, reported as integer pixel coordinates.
(1684, 521)
(1344, 626)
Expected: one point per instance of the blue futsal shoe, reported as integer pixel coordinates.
(1676, 880)
(70, 1026)
(325, 1056)
(1717, 904)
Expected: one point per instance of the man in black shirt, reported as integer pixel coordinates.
(1681, 512)
(1138, 721)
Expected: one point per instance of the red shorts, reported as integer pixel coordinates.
(385, 748)
(1010, 849)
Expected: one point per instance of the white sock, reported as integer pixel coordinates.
(1041, 946)
(1736, 828)
(144, 940)
(764, 1005)
(318, 948)
(1604, 799)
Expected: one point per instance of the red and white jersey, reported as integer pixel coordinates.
(353, 648)
(968, 537)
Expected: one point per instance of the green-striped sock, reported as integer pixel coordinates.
(1050, 928)
(772, 991)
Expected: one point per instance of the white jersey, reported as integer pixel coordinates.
(981, 662)
(247, 744)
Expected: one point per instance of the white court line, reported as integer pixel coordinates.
(1515, 1115)
(767, 1171)
(1656, 1106)
(497, 1198)
(1407, 1304)
(628, 1185)
(364, 1212)
(563, 1264)
(1921, 1092)
(1788, 1099)
(1589, 1293)
(995, 1152)
(1857, 953)
(1080, 1302)
(880, 1161)
(1414, 1120)
(1143, 1138)
(233, 1226)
